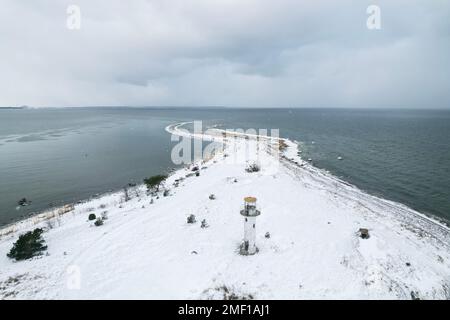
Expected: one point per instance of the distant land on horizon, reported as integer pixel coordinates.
(21, 107)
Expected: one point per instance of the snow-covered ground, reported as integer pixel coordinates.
(147, 250)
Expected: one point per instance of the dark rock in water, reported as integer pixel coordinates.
(23, 202)
(364, 233)
(132, 184)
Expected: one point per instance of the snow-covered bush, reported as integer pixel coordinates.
(98, 222)
(225, 292)
(28, 245)
(364, 233)
(254, 167)
(191, 219)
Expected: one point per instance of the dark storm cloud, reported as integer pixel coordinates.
(226, 52)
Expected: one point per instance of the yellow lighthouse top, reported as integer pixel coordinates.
(250, 199)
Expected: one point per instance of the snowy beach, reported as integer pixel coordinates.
(308, 236)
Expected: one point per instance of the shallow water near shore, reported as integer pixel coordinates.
(57, 156)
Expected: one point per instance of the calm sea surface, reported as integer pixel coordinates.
(57, 156)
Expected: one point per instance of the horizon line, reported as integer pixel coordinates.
(218, 107)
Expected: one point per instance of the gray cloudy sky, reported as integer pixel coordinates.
(250, 53)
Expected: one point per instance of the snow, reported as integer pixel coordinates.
(148, 251)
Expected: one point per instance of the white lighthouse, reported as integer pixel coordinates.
(248, 246)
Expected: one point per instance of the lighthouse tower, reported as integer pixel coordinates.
(248, 246)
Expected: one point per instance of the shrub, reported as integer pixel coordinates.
(155, 182)
(364, 233)
(98, 222)
(191, 219)
(228, 293)
(28, 245)
(282, 145)
(204, 224)
(92, 216)
(252, 168)
(126, 195)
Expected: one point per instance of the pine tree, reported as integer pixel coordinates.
(28, 245)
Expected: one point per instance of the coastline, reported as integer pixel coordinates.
(384, 213)
(51, 213)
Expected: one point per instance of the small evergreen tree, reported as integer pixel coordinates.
(28, 245)
(155, 182)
